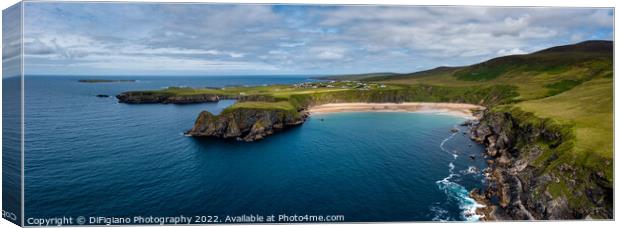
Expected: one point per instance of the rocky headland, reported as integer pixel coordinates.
(526, 175)
(151, 97)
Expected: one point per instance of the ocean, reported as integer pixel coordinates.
(92, 156)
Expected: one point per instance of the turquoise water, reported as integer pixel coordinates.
(90, 156)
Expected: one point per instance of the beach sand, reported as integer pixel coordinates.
(457, 109)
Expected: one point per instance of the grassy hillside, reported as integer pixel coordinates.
(537, 75)
(313, 93)
(589, 107)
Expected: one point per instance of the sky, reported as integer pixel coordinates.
(11, 42)
(225, 39)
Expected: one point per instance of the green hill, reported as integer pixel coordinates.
(537, 75)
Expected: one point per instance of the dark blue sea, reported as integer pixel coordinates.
(91, 156)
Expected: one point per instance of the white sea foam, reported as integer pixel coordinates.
(440, 214)
(470, 170)
(457, 192)
(444, 142)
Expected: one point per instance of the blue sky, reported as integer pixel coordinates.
(207, 39)
(11, 43)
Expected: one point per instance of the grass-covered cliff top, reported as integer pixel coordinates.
(279, 105)
(589, 107)
(312, 93)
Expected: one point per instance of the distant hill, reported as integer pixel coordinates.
(356, 77)
(550, 60)
(539, 74)
(434, 71)
(603, 46)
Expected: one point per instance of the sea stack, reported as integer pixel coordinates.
(245, 124)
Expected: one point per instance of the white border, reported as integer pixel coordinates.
(520, 3)
(22, 119)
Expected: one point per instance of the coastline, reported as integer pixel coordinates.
(468, 111)
(479, 209)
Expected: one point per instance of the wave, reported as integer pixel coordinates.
(471, 170)
(456, 191)
(440, 214)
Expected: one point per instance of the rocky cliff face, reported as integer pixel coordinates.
(245, 124)
(527, 180)
(147, 97)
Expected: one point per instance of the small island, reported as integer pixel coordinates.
(104, 80)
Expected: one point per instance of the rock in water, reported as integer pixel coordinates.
(466, 123)
(103, 95)
(244, 123)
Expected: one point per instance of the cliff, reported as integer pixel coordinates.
(164, 98)
(246, 124)
(533, 173)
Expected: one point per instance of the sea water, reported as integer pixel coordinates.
(91, 156)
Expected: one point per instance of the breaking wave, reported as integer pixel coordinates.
(455, 191)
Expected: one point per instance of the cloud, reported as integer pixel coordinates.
(330, 55)
(218, 52)
(292, 44)
(514, 51)
(216, 38)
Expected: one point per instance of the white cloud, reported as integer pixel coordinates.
(328, 52)
(229, 53)
(330, 55)
(292, 44)
(299, 38)
(514, 51)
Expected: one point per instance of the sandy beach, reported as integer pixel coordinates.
(457, 109)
